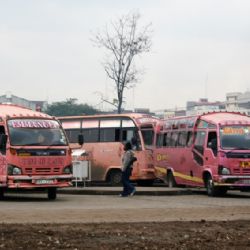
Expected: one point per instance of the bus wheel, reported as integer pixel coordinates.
(171, 180)
(115, 177)
(52, 193)
(212, 190)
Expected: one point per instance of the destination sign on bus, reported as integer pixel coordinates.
(236, 130)
(25, 123)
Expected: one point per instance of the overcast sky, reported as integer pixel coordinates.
(201, 48)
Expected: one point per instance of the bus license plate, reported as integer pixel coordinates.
(40, 182)
(245, 164)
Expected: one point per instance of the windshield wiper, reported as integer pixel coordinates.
(236, 148)
(241, 148)
(57, 144)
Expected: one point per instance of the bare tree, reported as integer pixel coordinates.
(123, 41)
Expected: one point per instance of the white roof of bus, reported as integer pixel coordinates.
(130, 115)
(12, 110)
(224, 118)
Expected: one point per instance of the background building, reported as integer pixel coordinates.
(203, 106)
(34, 105)
(237, 101)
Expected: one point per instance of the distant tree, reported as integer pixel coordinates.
(70, 107)
(123, 43)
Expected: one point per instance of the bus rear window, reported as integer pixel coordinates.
(148, 136)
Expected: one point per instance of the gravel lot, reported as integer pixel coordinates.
(195, 221)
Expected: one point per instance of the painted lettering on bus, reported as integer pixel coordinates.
(161, 157)
(33, 124)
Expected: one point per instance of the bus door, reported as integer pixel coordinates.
(3, 162)
(198, 152)
(146, 167)
(160, 156)
(184, 160)
(211, 151)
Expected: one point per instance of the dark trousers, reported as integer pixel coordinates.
(127, 186)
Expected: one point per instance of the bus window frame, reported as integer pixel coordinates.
(147, 127)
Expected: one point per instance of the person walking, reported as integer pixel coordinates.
(128, 159)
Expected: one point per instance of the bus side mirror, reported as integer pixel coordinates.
(81, 139)
(3, 141)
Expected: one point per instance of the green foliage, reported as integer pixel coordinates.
(69, 108)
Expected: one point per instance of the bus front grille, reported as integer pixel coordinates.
(241, 171)
(42, 170)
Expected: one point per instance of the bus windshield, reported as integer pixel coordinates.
(235, 137)
(31, 132)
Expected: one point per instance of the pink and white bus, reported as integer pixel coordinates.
(210, 150)
(104, 136)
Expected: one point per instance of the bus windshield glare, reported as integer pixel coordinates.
(235, 137)
(31, 132)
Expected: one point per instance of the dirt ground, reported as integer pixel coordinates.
(153, 235)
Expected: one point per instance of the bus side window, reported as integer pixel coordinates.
(168, 139)
(127, 135)
(72, 135)
(174, 138)
(164, 142)
(189, 138)
(110, 134)
(199, 141)
(159, 140)
(182, 139)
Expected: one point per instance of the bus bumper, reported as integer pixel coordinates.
(39, 181)
(233, 180)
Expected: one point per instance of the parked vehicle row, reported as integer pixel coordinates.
(211, 150)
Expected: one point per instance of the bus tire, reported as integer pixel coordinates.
(171, 180)
(52, 193)
(213, 191)
(115, 177)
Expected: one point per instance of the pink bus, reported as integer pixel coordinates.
(210, 150)
(34, 151)
(104, 136)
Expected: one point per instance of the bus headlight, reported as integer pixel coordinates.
(13, 170)
(67, 170)
(223, 170)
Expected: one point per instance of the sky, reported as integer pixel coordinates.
(200, 49)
